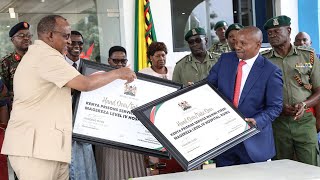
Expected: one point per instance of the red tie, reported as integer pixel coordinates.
(236, 95)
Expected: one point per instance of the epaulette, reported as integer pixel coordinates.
(305, 48)
(212, 55)
(265, 51)
(188, 57)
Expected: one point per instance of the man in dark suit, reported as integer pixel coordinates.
(254, 85)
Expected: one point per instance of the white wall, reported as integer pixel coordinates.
(290, 9)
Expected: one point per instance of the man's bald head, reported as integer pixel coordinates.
(248, 42)
(252, 32)
(302, 39)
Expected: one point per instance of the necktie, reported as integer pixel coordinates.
(74, 65)
(236, 95)
(72, 90)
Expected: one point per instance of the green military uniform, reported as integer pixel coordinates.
(301, 74)
(191, 70)
(8, 66)
(9, 63)
(220, 48)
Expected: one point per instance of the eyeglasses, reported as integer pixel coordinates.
(22, 36)
(117, 61)
(197, 40)
(64, 35)
(74, 43)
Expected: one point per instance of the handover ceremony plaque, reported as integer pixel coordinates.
(195, 124)
(104, 117)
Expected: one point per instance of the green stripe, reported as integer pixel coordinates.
(153, 31)
(136, 37)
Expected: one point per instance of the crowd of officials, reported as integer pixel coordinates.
(277, 90)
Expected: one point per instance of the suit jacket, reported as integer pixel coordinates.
(261, 99)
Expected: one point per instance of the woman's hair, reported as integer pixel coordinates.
(156, 46)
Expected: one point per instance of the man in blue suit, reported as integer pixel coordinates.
(254, 85)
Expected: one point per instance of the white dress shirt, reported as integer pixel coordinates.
(71, 62)
(246, 68)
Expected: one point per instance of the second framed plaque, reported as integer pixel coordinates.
(195, 124)
(104, 117)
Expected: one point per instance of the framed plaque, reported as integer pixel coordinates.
(195, 124)
(103, 116)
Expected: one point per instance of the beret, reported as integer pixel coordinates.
(194, 32)
(18, 27)
(235, 26)
(220, 24)
(277, 21)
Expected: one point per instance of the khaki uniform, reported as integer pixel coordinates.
(301, 74)
(190, 70)
(40, 125)
(220, 48)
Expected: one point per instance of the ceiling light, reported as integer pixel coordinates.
(11, 10)
(12, 13)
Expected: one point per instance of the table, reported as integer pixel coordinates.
(273, 170)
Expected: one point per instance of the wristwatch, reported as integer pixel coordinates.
(304, 105)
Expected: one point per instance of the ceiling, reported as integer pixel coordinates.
(33, 10)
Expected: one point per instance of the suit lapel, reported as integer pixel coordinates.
(253, 76)
(232, 76)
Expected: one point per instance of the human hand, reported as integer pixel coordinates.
(251, 120)
(125, 73)
(289, 110)
(299, 108)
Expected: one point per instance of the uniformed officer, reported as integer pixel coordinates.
(221, 46)
(21, 39)
(195, 66)
(295, 130)
(231, 36)
(303, 39)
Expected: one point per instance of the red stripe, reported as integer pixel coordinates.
(149, 27)
(146, 11)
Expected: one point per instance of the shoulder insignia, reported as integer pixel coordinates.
(305, 48)
(213, 55)
(311, 58)
(310, 50)
(187, 58)
(265, 51)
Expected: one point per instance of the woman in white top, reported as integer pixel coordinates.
(157, 54)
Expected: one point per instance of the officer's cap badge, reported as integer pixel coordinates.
(194, 32)
(275, 22)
